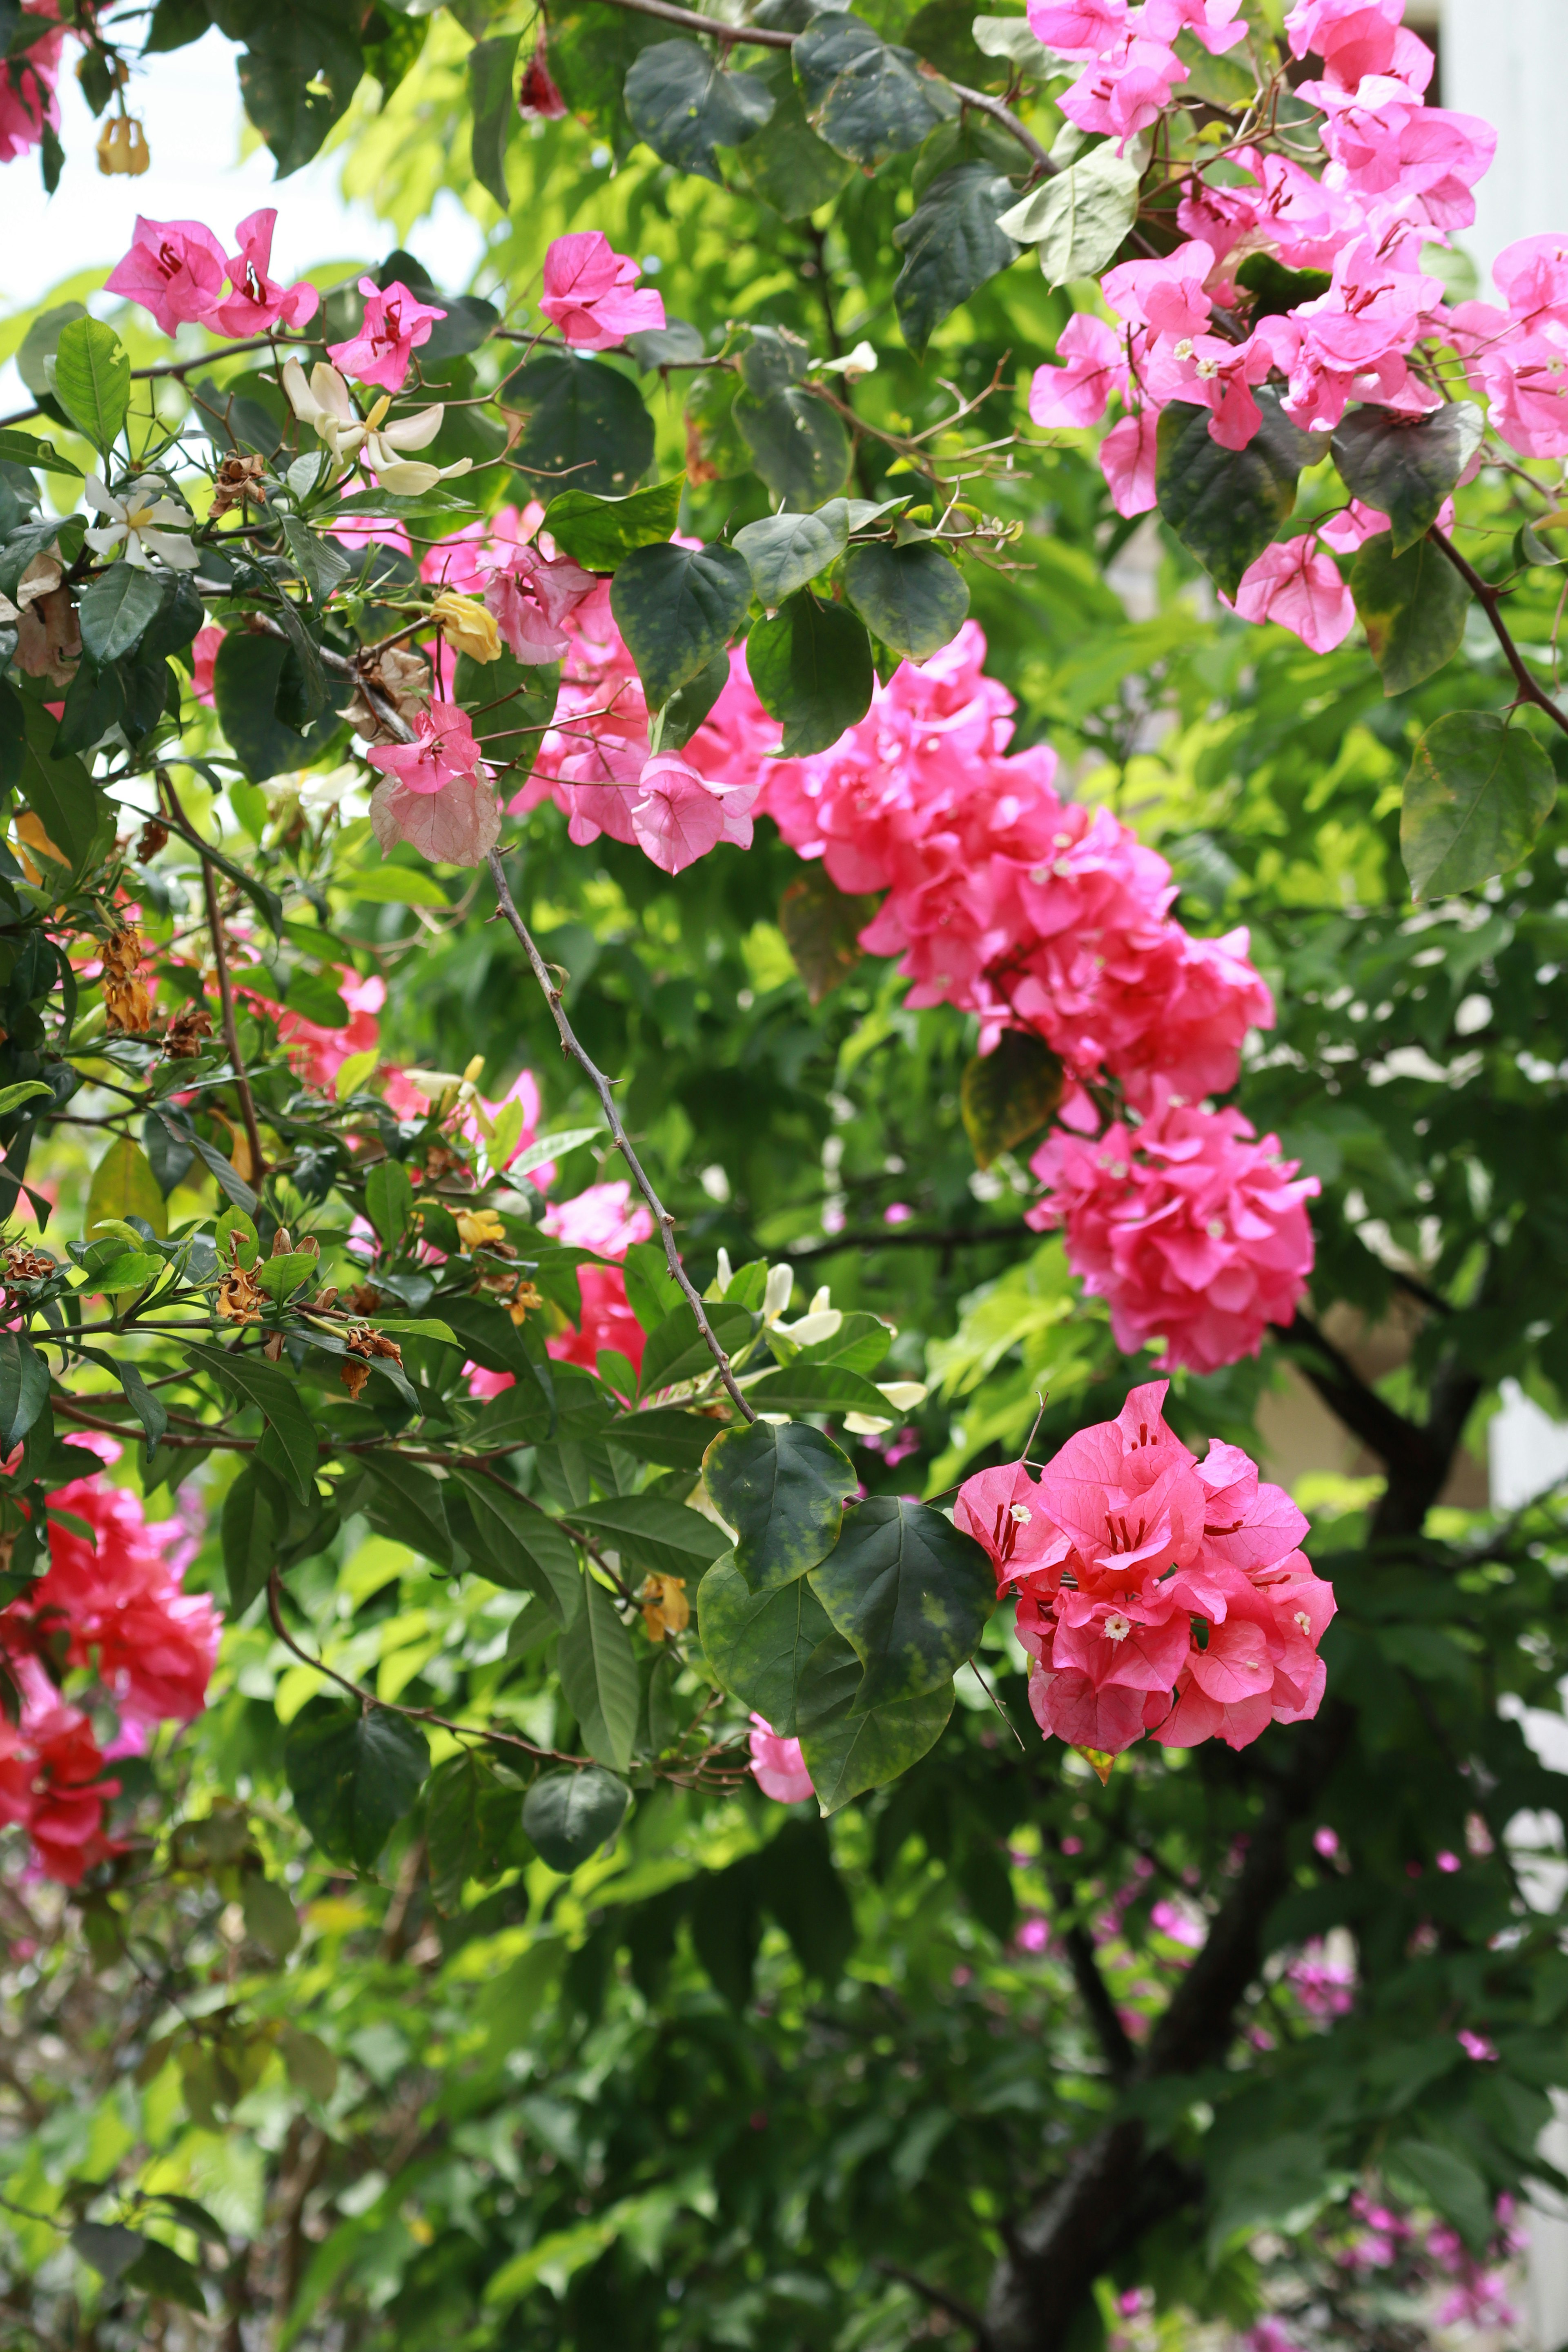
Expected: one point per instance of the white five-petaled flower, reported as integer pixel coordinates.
(1020, 1514)
(1117, 1627)
(136, 518)
(326, 404)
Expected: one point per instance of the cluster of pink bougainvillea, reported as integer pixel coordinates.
(112, 1602)
(1155, 1592)
(28, 78)
(1399, 177)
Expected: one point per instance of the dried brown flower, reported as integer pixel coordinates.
(354, 1375)
(239, 1295)
(125, 997)
(152, 838)
(183, 1037)
(398, 677)
(666, 1609)
(238, 483)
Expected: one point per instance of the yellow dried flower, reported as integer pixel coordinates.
(467, 626)
(239, 1295)
(666, 1609)
(127, 1004)
(123, 149)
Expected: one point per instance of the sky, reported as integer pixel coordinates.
(189, 103)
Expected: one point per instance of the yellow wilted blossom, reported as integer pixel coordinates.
(123, 149)
(666, 1609)
(467, 626)
(524, 1296)
(126, 1000)
(477, 1225)
(239, 1294)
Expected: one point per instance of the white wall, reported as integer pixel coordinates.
(1507, 60)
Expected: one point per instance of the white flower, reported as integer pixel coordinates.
(903, 1395)
(861, 361)
(1117, 1627)
(326, 404)
(134, 520)
(776, 1296)
(820, 1324)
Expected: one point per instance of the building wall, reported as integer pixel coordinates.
(1507, 60)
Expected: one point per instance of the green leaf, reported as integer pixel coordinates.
(24, 1388)
(59, 791)
(92, 379)
(865, 97)
(726, 1928)
(125, 1186)
(389, 1201)
(910, 1591)
(249, 1539)
(392, 886)
(1275, 289)
(686, 105)
(848, 1752)
(269, 1387)
(597, 532)
(320, 561)
(300, 75)
(107, 2247)
(246, 680)
(714, 449)
(662, 1537)
(405, 1504)
(942, 34)
(23, 449)
(1406, 466)
(655, 349)
(524, 1551)
(493, 65)
(160, 2272)
(1478, 794)
(280, 1276)
(676, 607)
(26, 1090)
(1007, 1095)
(570, 1815)
(473, 1825)
(807, 1387)
(1225, 505)
(1412, 608)
(783, 551)
(783, 1490)
(1076, 221)
(806, 1896)
(811, 666)
(950, 246)
(675, 1439)
(798, 445)
(652, 1291)
(311, 2067)
(598, 1673)
(592, 50)
(911, 597)
(1440, 2177)
(145, 1402)
(585, 422)
(355, 1773)
(785, 163)
(677, 1352)
(820, 925)
(270, 1918)
(757, 1643)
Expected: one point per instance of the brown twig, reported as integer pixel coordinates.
(570, 1044)
(225, 994)
(1489, 598)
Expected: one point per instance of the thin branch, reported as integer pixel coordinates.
(939, 2296)
(225, 993)
(601, 1086)
(1489, 599)
(1395, 1440)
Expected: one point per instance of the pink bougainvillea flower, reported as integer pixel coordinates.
(678, 815)
(394, 326)
(175, 269)
(1127, 459)
(1095, 366)
(259, 301)
(530, 598)
(602, 1219)
(1078, 28)
(777, 1765)
(591, 292)
(457, 824)
(1297, 584)
(203, 661)
(28, 99)
(443, 747)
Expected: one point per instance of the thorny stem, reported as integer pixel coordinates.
(1489, 598)
(570, 1044)
(225, 993)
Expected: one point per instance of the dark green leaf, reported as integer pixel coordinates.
(677, 1351)
(690, 705)
(322, 566)
(585, 427)
(1275, 290)
(811, 666)
(676, 607)
(22, 544)
(522, 1549)
(249, 1541)
(1478, 794)
(686, 105)
(26, 449)
(1007, 1095)
(758, 1644)
(911, 597)
(798, 445)
(867, 100)
(726, 1930)
(1406, 466)
(92, 378)
(300, 75)
(270, 1918)
(570, 1815)
(598, 1675)
(848, 1752)
(269, 1386)
(24, 1388)
(355, 1773)
(592, 50)
(785, 163)
(246, 680)
(658, 347)
(405, 1503)
(107, 2247)
(806, 1896)
(783, 551)
(389, 1200)
(714, 449)
(783, 1489)
(466, 326)
(1441, 2177)
(473, 1824)
(115, 609)
(1225, 505)
(820, 925)
(950, 246)
(492, 65)
(60, 791)
(597, 532)
(1412, 608)
(910, 1592)
(145, 1402)
(664, 1538)
(675, 1439)
(940, 34)
(808, 1387)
